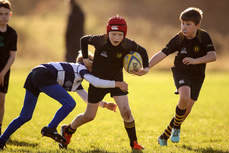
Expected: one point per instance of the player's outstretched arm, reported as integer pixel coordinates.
(101, 83)
(156, 59)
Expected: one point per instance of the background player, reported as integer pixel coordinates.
(195, 49)
(8, 48)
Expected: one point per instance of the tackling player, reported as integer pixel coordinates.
(55, 79)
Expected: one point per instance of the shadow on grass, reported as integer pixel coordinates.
(204, 150)
(103, 151)
(21, 143)
(94, 151)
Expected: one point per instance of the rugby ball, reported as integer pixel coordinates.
(132, 62)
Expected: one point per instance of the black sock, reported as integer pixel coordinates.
(70, 130)
(167, 132)
(130, 129)
(178, 117)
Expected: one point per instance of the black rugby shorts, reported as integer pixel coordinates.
(183, 79)
(39, 77)
(96, 95)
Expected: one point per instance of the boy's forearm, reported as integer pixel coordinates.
(210, 57)
(9, 63)
(156, 59)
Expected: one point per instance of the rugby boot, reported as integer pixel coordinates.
(52, 133)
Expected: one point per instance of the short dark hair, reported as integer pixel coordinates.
(5, 4)
(192, 14)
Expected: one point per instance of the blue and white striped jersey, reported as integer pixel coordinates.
(70, 75)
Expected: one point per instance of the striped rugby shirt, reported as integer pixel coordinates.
(70, 75)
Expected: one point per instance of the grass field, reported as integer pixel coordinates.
(153, 104)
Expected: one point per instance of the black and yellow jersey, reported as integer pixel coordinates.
(194, 48)
(108, 59)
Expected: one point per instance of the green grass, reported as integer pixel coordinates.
(153, 104)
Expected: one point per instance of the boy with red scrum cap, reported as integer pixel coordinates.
(110, 50)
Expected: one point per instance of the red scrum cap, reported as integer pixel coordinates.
(117, 23)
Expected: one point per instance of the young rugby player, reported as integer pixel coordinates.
(55, 79)
(8, 48)
(110, 50)
(194, 49)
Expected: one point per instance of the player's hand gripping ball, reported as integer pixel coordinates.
(132, 62)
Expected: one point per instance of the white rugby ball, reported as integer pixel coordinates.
(132, 62)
